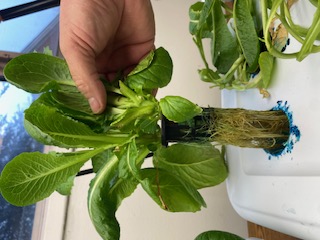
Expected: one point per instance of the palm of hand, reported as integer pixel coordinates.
(104, 36)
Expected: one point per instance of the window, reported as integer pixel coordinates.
(24, 34)
(15, 222)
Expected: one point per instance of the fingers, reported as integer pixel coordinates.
(86, 78)
(82, 66)
(80, 42)
(103, 36)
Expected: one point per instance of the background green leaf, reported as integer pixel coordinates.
(208, 75)
(206, 12)
(247, 33)
(194, 15)
(266, 61)
(218, 235)
(224, 47)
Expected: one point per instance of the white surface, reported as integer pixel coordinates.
(282, 193)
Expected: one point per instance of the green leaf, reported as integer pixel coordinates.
(149, 125)
(266, 61)
(131, 159)
(37, 72)
(194, 15)
(178, 109)
(246, 33)
(74, 101)
(100, 159)
(218, 235)
(76, 111)
(156, 75)
(101, 208)
(106, 193)
(66, 187)
(269, 3)
(31, 177)
(200, 164)
(127, 165)
(50, 127)
(206, 12)
(208, 75)
(143, 64)
(48, 51)
(224, 46)
(128, 121)
(169, 192)
(129, 93)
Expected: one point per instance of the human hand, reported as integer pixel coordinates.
(103, 37)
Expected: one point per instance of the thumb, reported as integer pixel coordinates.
(85, 75)
(78, 52)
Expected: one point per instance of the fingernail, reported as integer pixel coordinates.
(95, 105)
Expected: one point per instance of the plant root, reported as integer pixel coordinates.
(249, 128)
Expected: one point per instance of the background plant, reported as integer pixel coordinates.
(246, 40)
(236, 52)
(306, 36)
(217, 235)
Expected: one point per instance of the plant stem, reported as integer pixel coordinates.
(266, 22)
(312, 34)
(198, 42)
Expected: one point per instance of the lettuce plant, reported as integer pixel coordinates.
(121, 139)
(117, 142)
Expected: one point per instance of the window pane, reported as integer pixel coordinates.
(22, 34)
(25, 34)
(15, 222)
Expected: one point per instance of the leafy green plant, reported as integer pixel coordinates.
(280, 10)
(120, 140)
(117, 141)
(236, 52)
(246, 40)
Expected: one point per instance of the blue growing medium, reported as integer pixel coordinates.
(294, 132)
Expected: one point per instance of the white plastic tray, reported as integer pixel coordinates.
(282, 193)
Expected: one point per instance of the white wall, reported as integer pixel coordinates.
(140, 218)
(172, 33)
